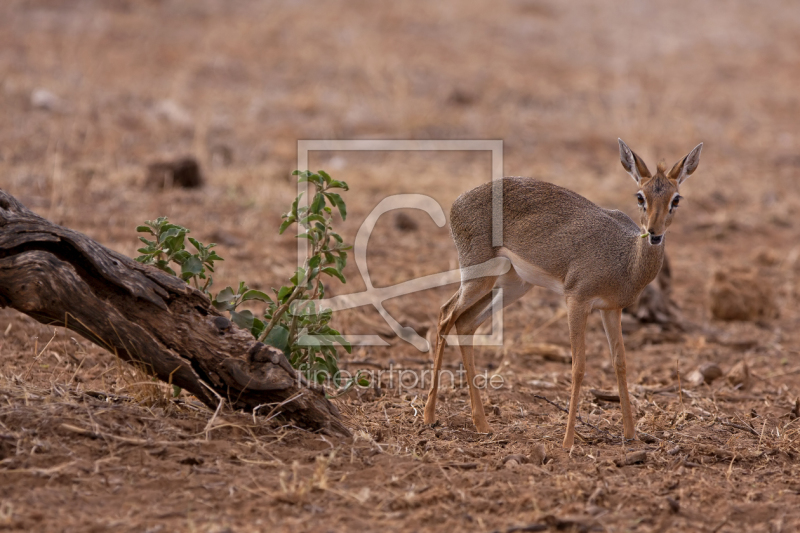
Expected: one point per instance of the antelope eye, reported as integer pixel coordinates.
(640, 199)
(676, 201)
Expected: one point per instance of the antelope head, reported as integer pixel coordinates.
(658, 195)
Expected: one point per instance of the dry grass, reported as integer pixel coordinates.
(87, 444)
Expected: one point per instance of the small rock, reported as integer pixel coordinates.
(222, 323)
(172, 112)
(766, 257)
(514, 458)
(550, 352)
(604, 395)
(538, 454)
(460, 97)
(739, 376)
(44, 99)
(738, 294)
(674, 505)
(632, 458)
(221, 236)
(221, 155)
(181, 172)
(512, 464)
(404, 222)
(705, 373)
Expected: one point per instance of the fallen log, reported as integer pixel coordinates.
(145, 316)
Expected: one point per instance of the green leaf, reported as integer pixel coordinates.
(299, 274)
(333, 272)
(225, 295)
(341, 260)
(314, 261)
(341, 340)
(312, 218)
(144, 229)
(324, 175)
(317, 203)
(256, 295)
(199, 245)
(243, 319)
(284, 292)
(308, 340)
(222, 306)
(294, 205)
(258, 327)
(169, 233)
(278, 337)
(181, 256)
(338, 202)
(286, 223)
(192, 266)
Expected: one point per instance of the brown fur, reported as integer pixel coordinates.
(559, 239)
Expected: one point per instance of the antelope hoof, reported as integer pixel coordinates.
(482, 426)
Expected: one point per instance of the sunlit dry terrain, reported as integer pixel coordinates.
(92, 92)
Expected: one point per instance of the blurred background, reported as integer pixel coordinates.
(97, 98)
(92, 93)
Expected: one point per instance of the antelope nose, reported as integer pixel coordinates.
(656, 239)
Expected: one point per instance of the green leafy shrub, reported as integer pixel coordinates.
(170, 246)
(292, 320)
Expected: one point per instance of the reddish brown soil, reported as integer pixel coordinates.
(90, 444)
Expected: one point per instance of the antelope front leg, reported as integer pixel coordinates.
(430, 405)
(478, 416)
(612, 323)
(443, 326)
(577, 315)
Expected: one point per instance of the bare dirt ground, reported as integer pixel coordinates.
(91, 92)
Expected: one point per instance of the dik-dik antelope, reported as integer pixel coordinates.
(554, 238)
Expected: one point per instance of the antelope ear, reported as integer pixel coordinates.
(686, 166)
(632, 163)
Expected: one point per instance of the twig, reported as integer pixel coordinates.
(740, 427)
(272, 413)
(210, 424)
(680, 385)
(27, 373)
(39, 471)
(128, 440)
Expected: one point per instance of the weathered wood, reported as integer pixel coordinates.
(61, 277)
